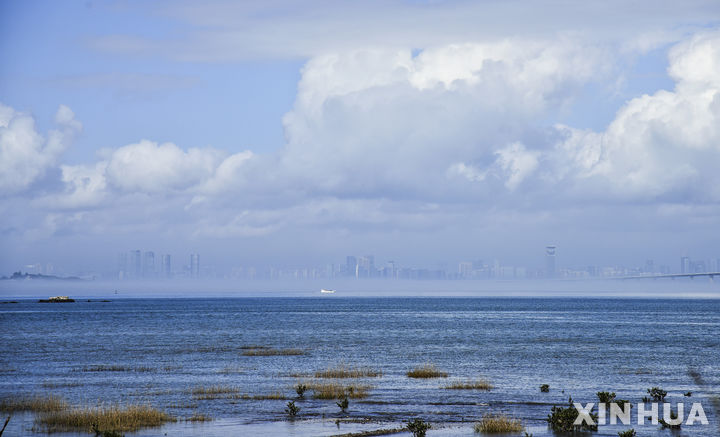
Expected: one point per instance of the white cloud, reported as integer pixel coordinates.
(25, 155)
(157, 168)
(664, 144)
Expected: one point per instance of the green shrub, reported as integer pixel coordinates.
(343, 404)
(418, 427)
(628, 433)
(606, 397)
(545, 388)
(300, 390)
(292, 410)
(563, 419)
(657, 394)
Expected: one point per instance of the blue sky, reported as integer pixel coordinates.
(424, 132)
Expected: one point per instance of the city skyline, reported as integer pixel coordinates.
(136, 264)
(464, 131)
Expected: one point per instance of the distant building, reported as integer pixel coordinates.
(685, 265)
(122, 266)
(550, 268)
(350, 266)
(194, 265)
(166, 266)
(148, 267)
(465, 269)
(135, 263)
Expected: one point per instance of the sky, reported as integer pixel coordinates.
(296, 133)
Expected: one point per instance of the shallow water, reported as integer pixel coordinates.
(160, 349)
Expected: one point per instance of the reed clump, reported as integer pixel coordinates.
(115, 418)
(116, 368)
(333, 390)
(33, 403)
(496, 424)
(426, 371)
(343, 371)
(264, 351)
(213, 392)
(265, 397)
(479, 384)
(197, 417)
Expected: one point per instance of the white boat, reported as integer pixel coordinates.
(324, 291)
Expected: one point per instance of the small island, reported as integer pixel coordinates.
(56, 299)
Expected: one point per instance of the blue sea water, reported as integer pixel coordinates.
(156, 351)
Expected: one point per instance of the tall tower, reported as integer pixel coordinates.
(148, 264)
(550, 261)
(194, 265)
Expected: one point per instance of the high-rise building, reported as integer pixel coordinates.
(165, 266)
(135, 263)
(194, 265)
(685, 265)
(365, 267)
(148, 267)
(122, 266)
(550, 271)
(350, 266)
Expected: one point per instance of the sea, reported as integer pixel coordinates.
(162, 352)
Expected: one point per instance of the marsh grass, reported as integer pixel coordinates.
(343, 371)
(213, 392)
(374, 432)
(116, 368)
(197, 417)
(61, 384)
(33, 403)
(266, 397)
(265, 351)
(333, 390)
(231, 370)
(426, 371)
(115, 418)
(470, 385)
(496, 424)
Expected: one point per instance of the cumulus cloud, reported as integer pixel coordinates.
(151, 167)
(25, 154)
(457, 134)
(381, 121)
(659, 145)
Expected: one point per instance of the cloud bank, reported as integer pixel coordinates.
(396, 140)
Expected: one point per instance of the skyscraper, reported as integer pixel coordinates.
(685, 265)
(550, 261)
(165, 266)
(194, 265)
(122, 266)
(350, 266)
(148, 268)
(135, 263)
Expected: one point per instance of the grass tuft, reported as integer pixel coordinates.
(114, 418)
(496, 424)
(197, 417)
(332, 390)
(33, 403)
(342, 371)
(265, 351)
(470, 385)
(213, 392)
(116, 368)
(426, 371)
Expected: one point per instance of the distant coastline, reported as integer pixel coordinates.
(20, 276)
